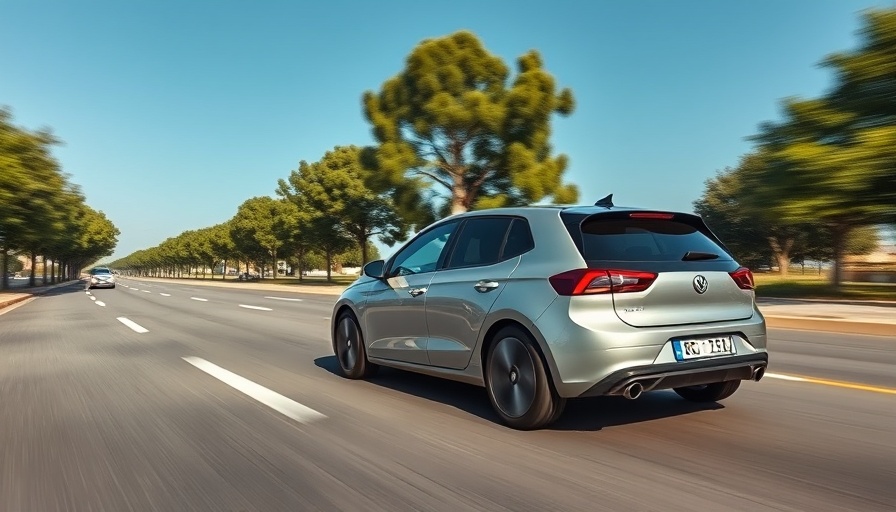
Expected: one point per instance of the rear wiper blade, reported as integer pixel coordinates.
(694, 256)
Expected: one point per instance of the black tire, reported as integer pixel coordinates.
(518, 384)
(709, 392)
(348, 346)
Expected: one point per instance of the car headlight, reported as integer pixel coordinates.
(94, 280)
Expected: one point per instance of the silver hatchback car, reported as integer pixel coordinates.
(542, 304)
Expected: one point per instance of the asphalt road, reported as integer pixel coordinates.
(97, 416)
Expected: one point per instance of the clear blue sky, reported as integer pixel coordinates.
(175, 112)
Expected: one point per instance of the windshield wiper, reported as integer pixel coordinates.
(695, 256)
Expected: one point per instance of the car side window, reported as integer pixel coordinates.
(480, 242)
(519, 240)
(422, 254)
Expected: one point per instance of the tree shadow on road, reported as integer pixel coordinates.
(582, 414)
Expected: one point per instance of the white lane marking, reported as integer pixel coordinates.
(199, 299)
(87, 292)
(784, 377)
(135, 289)
(276, 401)
(259, 308)
(100, 303)
(284, 298)
(165, 294)
(92, 297)
(133, 325)
(146, 291)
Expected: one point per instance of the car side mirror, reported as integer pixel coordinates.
(375, 269)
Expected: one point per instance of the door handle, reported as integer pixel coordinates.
(416, 292)
(485, 286)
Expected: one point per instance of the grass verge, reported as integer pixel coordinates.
(800, 286)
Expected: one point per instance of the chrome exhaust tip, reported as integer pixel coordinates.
(758, 373)
(633, 390)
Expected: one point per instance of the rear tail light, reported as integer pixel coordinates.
(744, 278)
(593, 281)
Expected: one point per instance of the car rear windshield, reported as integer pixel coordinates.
(647, 240)
(100, 271)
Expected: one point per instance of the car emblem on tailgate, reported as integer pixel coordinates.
(700, 284)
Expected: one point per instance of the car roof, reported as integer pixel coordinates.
(574, 209)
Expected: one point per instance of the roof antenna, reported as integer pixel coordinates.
(606, 202)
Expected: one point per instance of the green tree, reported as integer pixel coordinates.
(734, 206)
(451, 117)
(262, 226)
(339, 187)
(832, 158)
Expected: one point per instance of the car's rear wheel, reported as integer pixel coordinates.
(518, 384)
(709, 392)
(348, 344)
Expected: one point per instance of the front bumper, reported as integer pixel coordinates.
(676, 375)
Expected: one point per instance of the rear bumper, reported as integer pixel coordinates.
(674, 375)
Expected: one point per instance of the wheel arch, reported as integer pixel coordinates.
(489, 338)
(334, 322)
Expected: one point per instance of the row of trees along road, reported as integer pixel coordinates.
(43, 214)
(823, 176)
(453, 132)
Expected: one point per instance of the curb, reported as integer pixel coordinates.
(33, 292)
(830, 325)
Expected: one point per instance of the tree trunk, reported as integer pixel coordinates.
(363, 241)
(838, 238)
(301, 254)
(781, 253)
(458, 195)
(329, 265)
(274, 262)
(53, 272)
(4, 265)
(33, 276)
(44, 259)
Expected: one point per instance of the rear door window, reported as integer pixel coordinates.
(479, 242)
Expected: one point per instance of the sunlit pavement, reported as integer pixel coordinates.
(169, 396)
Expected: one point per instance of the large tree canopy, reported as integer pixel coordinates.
(832, 159)
(338, 187)
(41, 212)
(451, 117)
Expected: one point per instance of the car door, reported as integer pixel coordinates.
(395, 319)
(459, 297)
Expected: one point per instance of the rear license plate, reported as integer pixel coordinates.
(706, 347)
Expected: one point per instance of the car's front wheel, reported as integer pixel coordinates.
(517, 382)
(709, 392)
(348, 344)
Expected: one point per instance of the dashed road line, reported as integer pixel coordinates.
(259, 308)
(274, 400)
(133, 325)
(146, 291)
(199, 299)
(100, 303)
(165, 294)
(284, 298)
